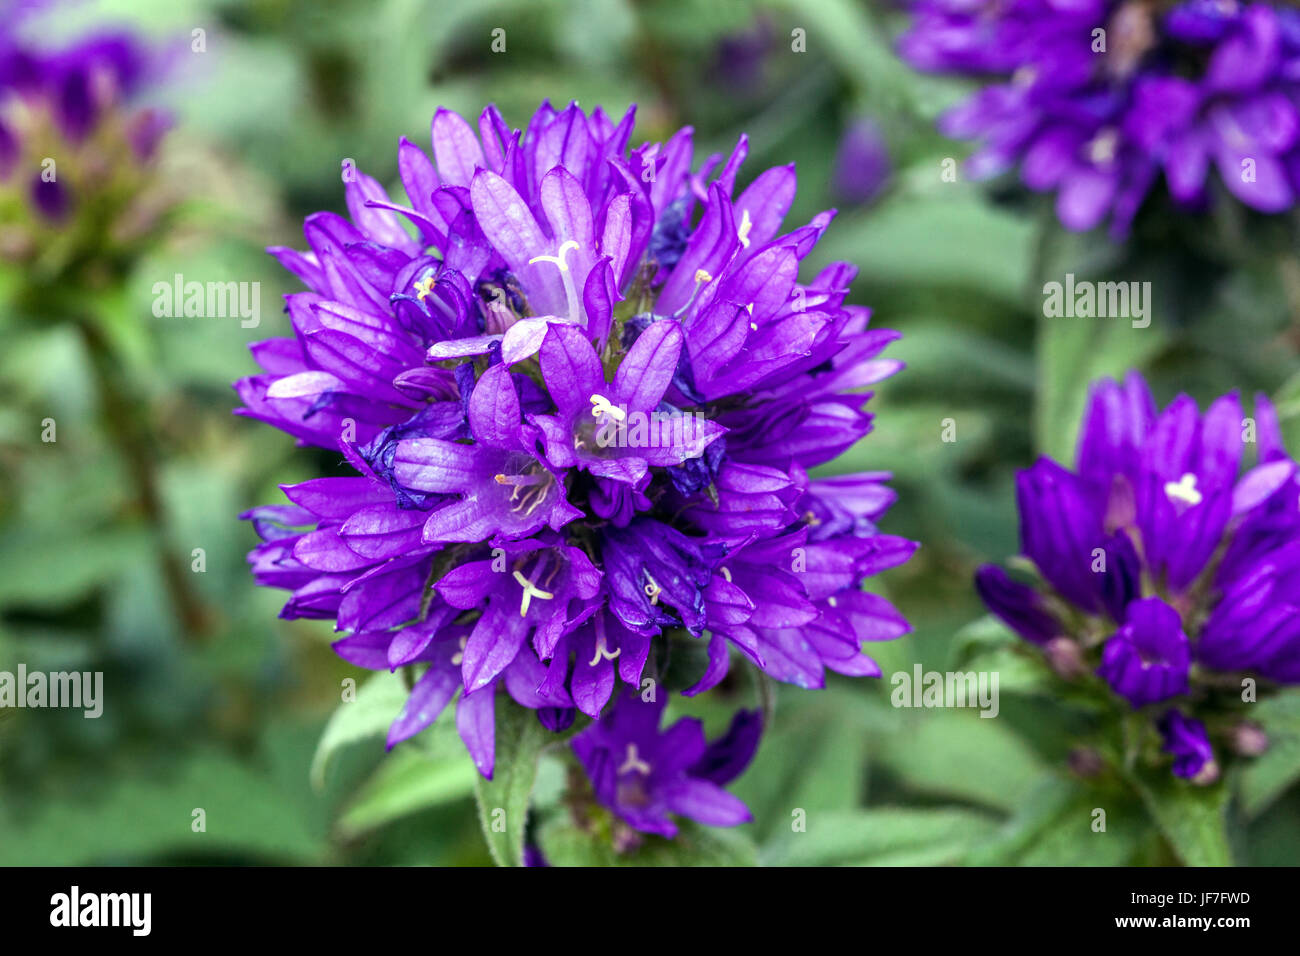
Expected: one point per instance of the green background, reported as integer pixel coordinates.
(227, 715)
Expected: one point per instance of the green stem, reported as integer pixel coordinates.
(135, 446)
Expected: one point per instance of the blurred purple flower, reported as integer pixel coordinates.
(862, 164)
(1095, 99)
(1161, 541)
(739, 60)
(72, 92)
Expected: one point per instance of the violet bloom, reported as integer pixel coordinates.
(644, 774)
(580, 388)
(1096, 99)
(1161, 551)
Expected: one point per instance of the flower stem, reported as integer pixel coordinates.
(135, 446)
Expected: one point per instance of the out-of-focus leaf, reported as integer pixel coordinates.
(892, 836)
(1058, 825)
(948, 236)
(1192, 818)
(813, 755)
(987, 645)
(1267, 776)
(1073, 353)
(565, 844)
(941, 356)
(50, 572)
(957, 753)
(131, 820)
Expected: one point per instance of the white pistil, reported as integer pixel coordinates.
(1024, 76)
(726, 574)
(560, 261)
(745, 225)
(652, 590)
(1102, 148)
(603, 651)
(459, 655)
(634, 763)
(531, 591)
(1184, 490)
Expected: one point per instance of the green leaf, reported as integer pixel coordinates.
(980, 636)
(1072, 354)
(45, 572)
(881, 837)
(503, 801)
(377, 704)
(407, 781)
(1053, 826)
(1193, 819)
(957, 753)
(565, 844)
(1267, 776)
(987, 645)
(948, 237)
(144, 816)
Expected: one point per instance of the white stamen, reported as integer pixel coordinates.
(1184, 490)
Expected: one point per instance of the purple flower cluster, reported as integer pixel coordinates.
(70, 98)
(1095, 99)
(581, 387)
(1166, 567)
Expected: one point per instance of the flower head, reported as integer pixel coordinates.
(580, 387)
(1095, 100)
(1163, 562)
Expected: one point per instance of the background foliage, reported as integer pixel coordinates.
(213, 702)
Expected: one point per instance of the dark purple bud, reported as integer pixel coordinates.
(1017, 605)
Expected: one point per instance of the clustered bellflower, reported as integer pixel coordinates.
(1095, 100)
(1168, 569)
(579, 387)
(71, 134)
